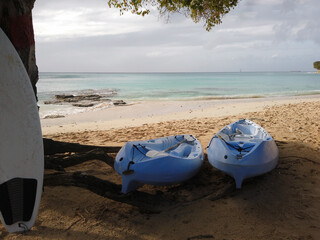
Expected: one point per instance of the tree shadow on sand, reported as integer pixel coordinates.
(209, 183)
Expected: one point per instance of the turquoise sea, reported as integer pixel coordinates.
(171, 86)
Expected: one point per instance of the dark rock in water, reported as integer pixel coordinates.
(85, 100)
(63, 96)
(83, 104)
(67, 98)
(92, 97)
(73, 98)
(52, 102)
(119, 102)
(54, 116)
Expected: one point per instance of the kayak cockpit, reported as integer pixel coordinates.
(244, 131)
(242, 137)
(162, 161)
(243, 149)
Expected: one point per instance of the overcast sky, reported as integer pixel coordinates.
(257, 35)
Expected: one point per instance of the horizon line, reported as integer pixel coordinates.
(155, 72)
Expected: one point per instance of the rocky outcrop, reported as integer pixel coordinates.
(16, 22)
(54, 116)
(73, 98)
(88, 100)
(119, 102)
(83, 104)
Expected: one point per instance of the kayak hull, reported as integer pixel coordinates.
(165, 168)
(259, 159)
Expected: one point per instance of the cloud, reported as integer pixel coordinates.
(54, 20)
(81, 35)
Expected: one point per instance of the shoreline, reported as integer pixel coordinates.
(148, 112)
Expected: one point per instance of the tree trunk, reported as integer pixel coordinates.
(16, 22)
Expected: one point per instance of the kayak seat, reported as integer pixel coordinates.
(183, 150)
(241, 138)
(225, 136)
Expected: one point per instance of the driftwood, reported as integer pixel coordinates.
(59, 155)
(61, 161)
(53, 147)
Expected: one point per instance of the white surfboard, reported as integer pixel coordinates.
(21, 145)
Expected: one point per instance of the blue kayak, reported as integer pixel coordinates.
(243, 149)
(162, 161)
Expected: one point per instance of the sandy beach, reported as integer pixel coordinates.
(282, 204)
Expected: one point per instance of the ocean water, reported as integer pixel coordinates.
(132, 87)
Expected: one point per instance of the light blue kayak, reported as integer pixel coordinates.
(243, 149)
(162, 161)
